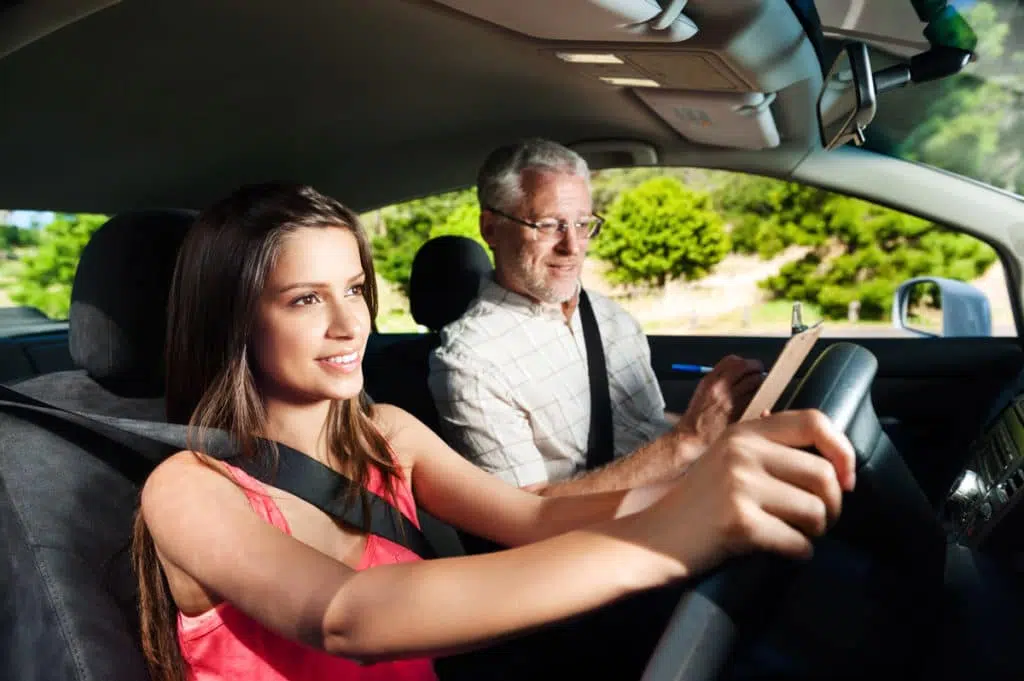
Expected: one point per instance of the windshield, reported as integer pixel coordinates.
(972, 123)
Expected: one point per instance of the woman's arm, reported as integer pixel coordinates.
(389, 611)
(463, 495)
(753, 489)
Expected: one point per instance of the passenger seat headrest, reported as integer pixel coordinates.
(445, 279)
(118, 316)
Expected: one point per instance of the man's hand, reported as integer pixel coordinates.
(720, 398)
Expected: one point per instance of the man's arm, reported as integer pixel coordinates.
(718, 400)
(481, 421)
(658, 461)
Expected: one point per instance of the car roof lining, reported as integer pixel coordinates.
(175, 102)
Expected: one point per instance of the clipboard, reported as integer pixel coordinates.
(783, 371)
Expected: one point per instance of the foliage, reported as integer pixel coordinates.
(661, 230)
(606, 185)
(869, 250)
(12, 236)
(463, 221)
(975, 123)
(769, 215)
(407, 226)
(45, 277)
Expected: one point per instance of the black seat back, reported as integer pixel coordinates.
(67, 594)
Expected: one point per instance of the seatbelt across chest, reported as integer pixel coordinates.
(296, 473)
(601, 435)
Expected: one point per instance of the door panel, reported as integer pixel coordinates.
(23, 357)
(931, 394)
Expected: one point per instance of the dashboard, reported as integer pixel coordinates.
(984, 508)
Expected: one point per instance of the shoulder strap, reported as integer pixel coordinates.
(296, 472)
(600, 440)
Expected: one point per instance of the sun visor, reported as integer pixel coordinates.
(741, 120)
(586, 20)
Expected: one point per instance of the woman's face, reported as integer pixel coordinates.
(313, 322)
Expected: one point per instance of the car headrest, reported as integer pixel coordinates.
(445, 279)
(118, 316)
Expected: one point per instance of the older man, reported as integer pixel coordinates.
(510, 379)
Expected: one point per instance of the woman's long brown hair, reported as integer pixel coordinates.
(218, 279)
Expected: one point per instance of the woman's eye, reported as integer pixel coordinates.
(357, 290)
(308, 299)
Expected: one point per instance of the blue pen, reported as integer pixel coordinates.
(692, 368)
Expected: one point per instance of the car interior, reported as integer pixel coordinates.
(149, 111)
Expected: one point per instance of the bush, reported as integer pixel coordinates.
(869, 252)
(769, 215)
(661, 230)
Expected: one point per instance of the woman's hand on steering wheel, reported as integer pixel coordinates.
(753, 489)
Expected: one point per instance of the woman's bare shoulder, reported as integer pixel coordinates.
(402, 430)
(182, 476)
(392, 420)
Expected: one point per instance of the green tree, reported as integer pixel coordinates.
(407, 227)
(606, 185)
(45, 277)
(975, 122)
(870, 250)
(769, 215)
(463, 221)
(661, 230)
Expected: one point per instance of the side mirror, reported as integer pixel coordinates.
(935, 306)
(847, 102)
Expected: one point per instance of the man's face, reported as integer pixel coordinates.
(545, 269)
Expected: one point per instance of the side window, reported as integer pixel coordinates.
(398, 231)
(39, 254)
(690, 251)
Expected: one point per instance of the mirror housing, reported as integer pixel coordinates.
(965, 310)
(847, 102)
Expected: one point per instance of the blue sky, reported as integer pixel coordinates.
(29, 218)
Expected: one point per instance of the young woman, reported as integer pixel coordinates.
(272, 302)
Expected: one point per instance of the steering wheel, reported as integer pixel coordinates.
(703, 631)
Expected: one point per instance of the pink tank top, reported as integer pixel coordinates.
(224, 644)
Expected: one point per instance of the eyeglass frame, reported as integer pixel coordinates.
(562, 227)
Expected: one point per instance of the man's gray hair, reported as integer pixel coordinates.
(498, 183)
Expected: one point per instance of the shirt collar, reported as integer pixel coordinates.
(492, 291)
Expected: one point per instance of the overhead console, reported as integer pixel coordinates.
(711, 69)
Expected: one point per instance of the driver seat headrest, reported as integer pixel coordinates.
(118, 317)
(445, 278)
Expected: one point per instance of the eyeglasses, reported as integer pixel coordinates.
(553, 228)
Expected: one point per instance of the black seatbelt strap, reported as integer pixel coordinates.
(296, 473)
(600, 439)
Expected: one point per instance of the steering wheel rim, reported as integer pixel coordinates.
(701, 634)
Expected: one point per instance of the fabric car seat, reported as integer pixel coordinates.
(67, 593)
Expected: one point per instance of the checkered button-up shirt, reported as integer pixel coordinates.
(511, 386)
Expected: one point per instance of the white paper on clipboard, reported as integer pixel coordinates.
(785, 367)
